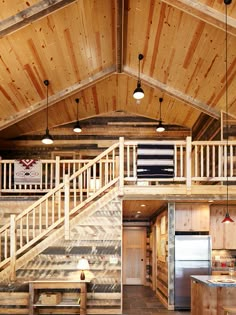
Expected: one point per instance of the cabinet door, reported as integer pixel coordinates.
(216, 227)
(230, 230)
(183, 220)
(200, 217)
(192, 217)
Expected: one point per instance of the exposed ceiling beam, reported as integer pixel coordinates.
(57, 97)
(175, 93)
(204, 13)
(119, 35)
(31, 14)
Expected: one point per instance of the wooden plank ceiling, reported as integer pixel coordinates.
(88, 49)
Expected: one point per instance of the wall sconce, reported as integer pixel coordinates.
(138, 92)
(83, 265)
(47, 138)
(77, 127)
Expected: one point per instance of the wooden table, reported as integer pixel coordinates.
(77, 302)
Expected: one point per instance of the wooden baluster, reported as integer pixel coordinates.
(134, 162)
(121, 166)
(67, 208)
(188, 163)
(13, 247)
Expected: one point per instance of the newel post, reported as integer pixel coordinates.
(13, 247)
(67, 207)
(121, 164)
(188, 163)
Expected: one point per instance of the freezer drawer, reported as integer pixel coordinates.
(183, 271)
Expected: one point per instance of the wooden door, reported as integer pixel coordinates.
(134, 253)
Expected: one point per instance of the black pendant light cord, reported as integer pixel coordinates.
(139, 69)
(227, 217)
(77, 102)
(160, 100)
(46, 82)
(226, 105)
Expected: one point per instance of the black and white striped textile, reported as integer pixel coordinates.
(155, 161)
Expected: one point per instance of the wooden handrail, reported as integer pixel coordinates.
(72, 188)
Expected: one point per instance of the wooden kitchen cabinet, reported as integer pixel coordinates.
(223, 235)
(192, 217)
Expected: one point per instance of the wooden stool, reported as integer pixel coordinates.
(229, 310)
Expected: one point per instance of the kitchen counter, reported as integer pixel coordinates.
(212, 293)
(216, 281)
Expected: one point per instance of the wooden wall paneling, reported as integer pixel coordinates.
(13, 206)
(149, 257)
(98, 238)
(14, 303)
(162, 254)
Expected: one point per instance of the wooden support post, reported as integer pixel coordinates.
(13, 247)
(121, 166)
(67, 207)
(188, 164)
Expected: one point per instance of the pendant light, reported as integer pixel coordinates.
(77, 127)
(160, 127)
(47, 138)
(227, 218)
(138, 92)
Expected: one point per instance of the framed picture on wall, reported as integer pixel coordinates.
(163, 225)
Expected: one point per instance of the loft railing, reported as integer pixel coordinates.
(52, 173)
(194, 163)
(58, 206)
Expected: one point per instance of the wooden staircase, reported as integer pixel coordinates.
(53, 215)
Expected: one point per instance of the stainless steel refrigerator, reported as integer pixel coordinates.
(192, 257)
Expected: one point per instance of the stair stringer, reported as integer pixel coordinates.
(88, 210)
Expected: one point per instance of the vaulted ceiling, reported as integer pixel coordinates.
(89, 49)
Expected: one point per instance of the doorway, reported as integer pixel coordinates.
(134, 255)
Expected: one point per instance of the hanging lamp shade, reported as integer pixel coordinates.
(77, 128)
(47, 138)
(160, 127)
(227, 218)
(138, 92)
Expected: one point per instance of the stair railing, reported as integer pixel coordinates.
(57, 206)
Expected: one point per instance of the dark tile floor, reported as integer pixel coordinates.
(141, 300)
